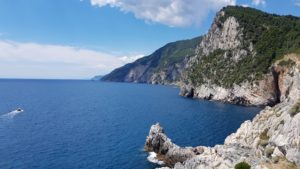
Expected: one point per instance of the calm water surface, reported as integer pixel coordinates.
(86, 124)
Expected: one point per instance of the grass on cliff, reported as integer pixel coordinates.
(176, 52)
(242, 165)
(287, 63)
(295, 109)
(264, 138)
(272, 36)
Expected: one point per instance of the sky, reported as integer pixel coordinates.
(78, 39)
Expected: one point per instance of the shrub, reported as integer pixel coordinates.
(264, 138)
(263, 143)
(288, 63)
(295, 109)
(242, 165)
(269, 151)
(264, 135)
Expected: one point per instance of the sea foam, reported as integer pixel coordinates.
(153, 159)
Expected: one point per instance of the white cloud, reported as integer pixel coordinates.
(175, 13)
(259, 2)
(297, 3)
(129, 59)
(245, 5)
(32, 60)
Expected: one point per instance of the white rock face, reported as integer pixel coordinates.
(259, 93)
(224, 36)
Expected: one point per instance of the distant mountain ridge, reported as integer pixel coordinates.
(97, 78)
(164, 66)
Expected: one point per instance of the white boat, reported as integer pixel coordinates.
(19, 110)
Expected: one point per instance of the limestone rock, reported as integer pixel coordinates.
(159, 143)
(272, 135)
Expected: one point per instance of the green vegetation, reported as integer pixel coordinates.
(269, 151)
(295, 109)
(242, 165)
(221, 71)
(272, 37)
(264, 138)
(176, 52)
(287, 63)
(264, 135)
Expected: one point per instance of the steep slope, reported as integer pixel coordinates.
(233, 62)
(164, 66)
(271, 140)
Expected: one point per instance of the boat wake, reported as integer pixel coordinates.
(12, 114)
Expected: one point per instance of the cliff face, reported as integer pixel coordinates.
(235, 60)
(164, 66)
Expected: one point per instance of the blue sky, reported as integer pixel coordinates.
(82, 38)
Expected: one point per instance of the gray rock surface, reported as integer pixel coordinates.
(271, 136)
(159, 143)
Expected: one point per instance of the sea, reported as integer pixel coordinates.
(82, 124)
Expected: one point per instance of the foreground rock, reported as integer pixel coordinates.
(271, 139)
(167, 151)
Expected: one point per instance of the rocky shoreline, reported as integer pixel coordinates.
(270, 140)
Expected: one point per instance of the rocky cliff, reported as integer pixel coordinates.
(235, 60)
(270, 141)
(226, 69)
(164, 66)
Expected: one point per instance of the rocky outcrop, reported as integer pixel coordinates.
(228, 35)
(167, 151)
(225, 65)
(270, 140)
(259, 93)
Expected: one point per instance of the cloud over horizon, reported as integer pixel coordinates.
(33, 60)
(174, 13)
(259, 2)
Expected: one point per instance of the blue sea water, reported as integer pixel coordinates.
(86, 124)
